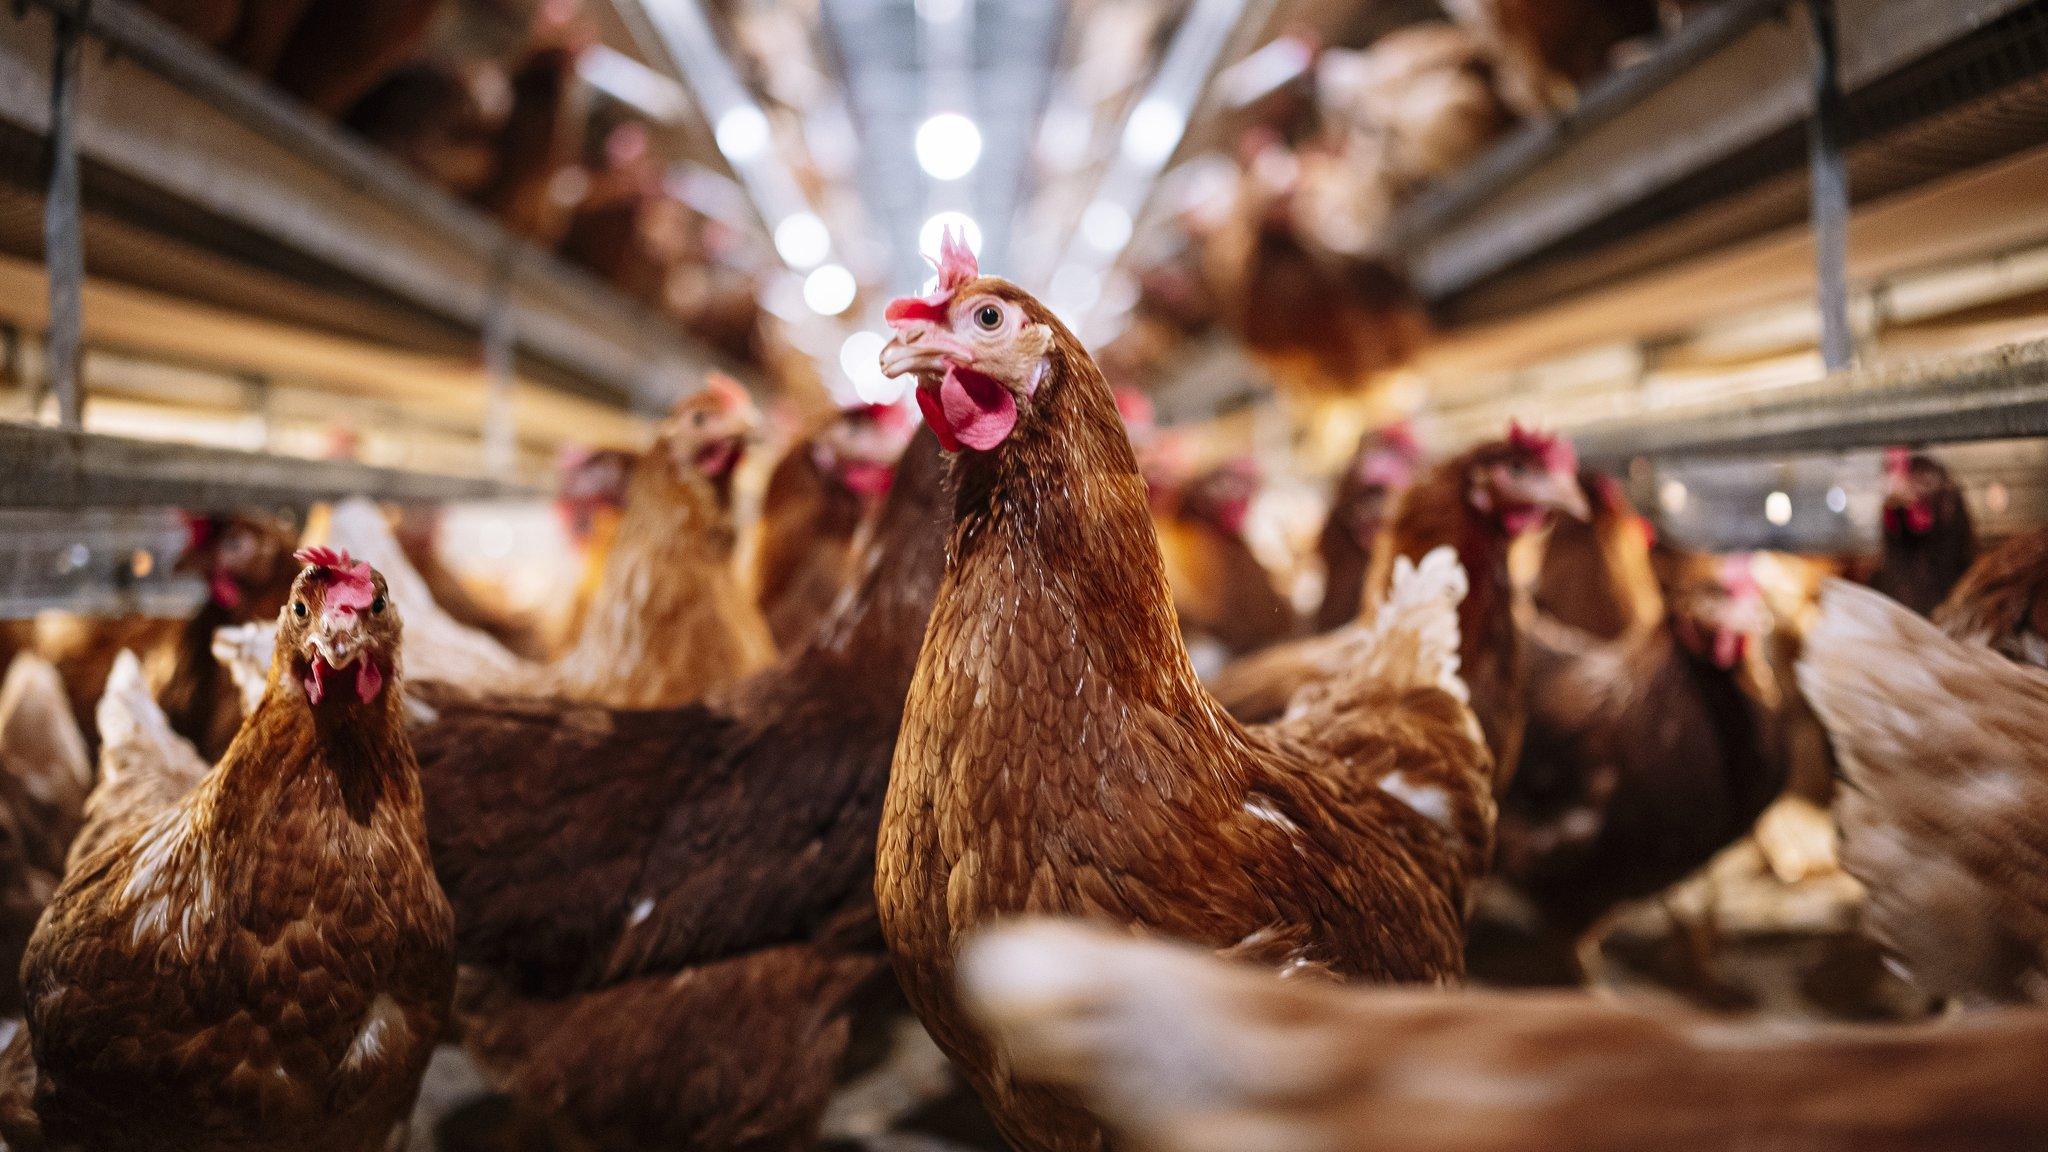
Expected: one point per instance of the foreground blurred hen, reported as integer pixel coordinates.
(1058, 753)
(261, 959)
(1182, 1053)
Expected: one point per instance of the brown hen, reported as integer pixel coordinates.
(820, 493)
(1059, 755)
(265, 961)
(666, 911)
(1929, 540)
(1182, 1053)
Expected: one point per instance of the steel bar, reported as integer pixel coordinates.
(63, 230)
(1829, 178)
(44, 467)
(1993, 396)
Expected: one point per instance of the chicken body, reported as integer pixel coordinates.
(541, 135)
(1545, 50)
(1058, 754)
(45, 773)
(1220, 588)
(668, 621)
(1596, 576)
(667, 910)
(341, 49)
(264, 961)
(2002, 601)
(1929, 540)
(1945, 811)
(1185, 1054)
(820, 493)
(1372, 483)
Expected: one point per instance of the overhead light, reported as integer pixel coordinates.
(1153, 131)
(1106, 226)
(630, 82)
(1838, 500)
(830, 290)
(1778, 509)
(861, 359)
(802, 240)
(948, 146)
(940, 11)
(936, 228)
(742, 133)
(1672, 496)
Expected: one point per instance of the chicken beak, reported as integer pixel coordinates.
(1564, 494)
(923, 351)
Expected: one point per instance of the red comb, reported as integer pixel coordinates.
(891, 416)
(726, 391)
(200, 530)
(957, 267)
(1739, 576)
(346, 576)
(1555, 452)
(1400, 437)
(1897, 462)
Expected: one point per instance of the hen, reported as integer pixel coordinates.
(668, 620)
(1545, 50)
(1185, 1054)
(263, 961)
(248, 566)
(1929, 540)
(45, 773)
(1220, 588)
(1597, 576)
(542, 133)
(1059, 755)
(1944, 809)
(1477, 503)
(1379, 472)
(2002, 601)
(341, 49)
(820, 493)
(1645, 755)
(667, 910)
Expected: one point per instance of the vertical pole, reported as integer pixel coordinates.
(1830, 174)
(500, 341)
(63, 239)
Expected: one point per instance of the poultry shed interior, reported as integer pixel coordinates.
(961, 575)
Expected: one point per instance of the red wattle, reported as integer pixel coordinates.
(369, 679)
(980, 411)
(936, 417)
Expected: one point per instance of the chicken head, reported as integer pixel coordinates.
(860, 447)
(710, 430)
(1522, 479)
(978, 347)
(338, 628)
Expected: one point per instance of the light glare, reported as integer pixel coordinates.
(948, 146)
(742, 133)
(830, 290)
(1153, 131)
(1106, 227)
(802, 240)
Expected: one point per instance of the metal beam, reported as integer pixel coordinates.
(185, 123)
(42, 467)
(1997, 395)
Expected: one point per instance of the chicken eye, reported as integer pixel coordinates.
(989, 317)
(377, 605)
(299, 609)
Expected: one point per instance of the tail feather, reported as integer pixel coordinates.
(38, 733)
(437, 646)
(245, 650)
(128, 714)
(1943, 817)
(1411, 643)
